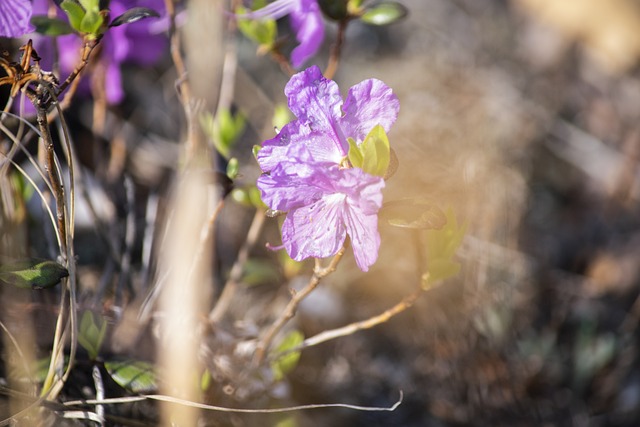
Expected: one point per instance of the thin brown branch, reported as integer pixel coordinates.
(352, 328)
(292, 307)
(336, 50)
(235, 274)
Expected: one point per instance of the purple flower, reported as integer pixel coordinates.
(14, 18)
(306, 21)
(305, 171)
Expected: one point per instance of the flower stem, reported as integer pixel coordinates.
(292, 307)
(336, 50)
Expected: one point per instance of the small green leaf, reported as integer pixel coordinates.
(355, 155)
(91, 333)
(261, 31)
(75, 12)
(223, 130)
(256, 198)
(441, 246)
(384, 13)
(133, 15)
(205, 380)
(258, 272)
(286, 363)
(232, 168)
(33, 274)
(91, 23)
(133, 375)
(50, 26)
(90, 5)
(255, 150)
(373, 155)
(281, 116)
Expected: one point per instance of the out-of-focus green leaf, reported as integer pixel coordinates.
(50, 26)
(91, 333)
(223, 130)
(290, 267)
(384, 13)
(90, 5)
(33, 274)
(248, 196)
(205, 380)
(441, 248)
(261, 31)
(133, 375)
(91, 23)
(133, 15)
(416, 213)
(233, 168)
(258, 272)
(255, 150)
(281, 116)
(75, 12)
(285, 364)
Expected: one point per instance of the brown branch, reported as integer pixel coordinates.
(292, 307)
(352, 328)
(336, 50)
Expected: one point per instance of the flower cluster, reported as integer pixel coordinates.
(306, 174)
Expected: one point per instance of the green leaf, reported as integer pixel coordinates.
(373, 155)
(281, 116)
(355, 155)
(33, 274)
(286, 363)
(261, 31)
(91, 333)
(90, 5)
(133, 15)
(258, 272)
(233, 168)
(417, 213)
(133, 375)
(441, 246)
(75, 12)
(384, 13)
(223, 130)
(205, 380)
(50, 26)
(255, 150)
(91, 23)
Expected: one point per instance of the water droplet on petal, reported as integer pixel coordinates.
(272, 213)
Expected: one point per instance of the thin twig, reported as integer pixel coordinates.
(352, 328)
(170, 399)
(235, 274)
(336, 50)
(292, 307)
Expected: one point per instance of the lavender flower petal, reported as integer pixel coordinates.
(14, 18)
(307, 23)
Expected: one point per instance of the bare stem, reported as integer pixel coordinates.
(358, 326)
(235, 274)
(336, 50)
(292, 307)
(89, 45)
(54, 176)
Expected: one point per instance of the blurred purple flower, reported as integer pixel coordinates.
(14, 18)
(306, 21)
(129, 43)
(305, 174)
